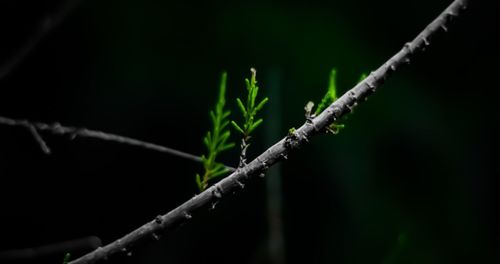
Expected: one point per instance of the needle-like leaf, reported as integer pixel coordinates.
(216, 139)
(249, 112)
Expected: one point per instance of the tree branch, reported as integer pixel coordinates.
(73, 132)
(47, 24)
(280, 150)
(80, 244)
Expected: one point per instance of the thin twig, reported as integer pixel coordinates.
(280, 150)
(79, 244)
(39, 139)
(47, 24)
(58, 129)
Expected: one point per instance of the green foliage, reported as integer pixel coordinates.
(66, 258)
(329, 98)
(216, 140)
(251, 108)
(331, 93)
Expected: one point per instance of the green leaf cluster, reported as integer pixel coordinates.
(216, 140)
(250, 109)
(329, 98)
(66, 258)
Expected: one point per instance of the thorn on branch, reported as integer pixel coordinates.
(217, 192)
(158, 219)
(156, 236)
(240, 184)
(426, 41)
(187, 215)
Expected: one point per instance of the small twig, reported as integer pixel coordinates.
(79, 244)
(39, 139)
(280, 150)
(58, 129)
(47, 24)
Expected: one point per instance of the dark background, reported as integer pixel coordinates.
(412, 178)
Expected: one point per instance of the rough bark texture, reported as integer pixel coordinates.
(280, 150)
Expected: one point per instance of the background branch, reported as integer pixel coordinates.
(47, 24)
(80, 244)
(280, 150)
(73, 132)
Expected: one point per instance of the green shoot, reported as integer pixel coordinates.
(66, 258)
(331, 93)
(329, 98)
(216, 140)
(249, 112)
(251, 108)
(362, 77)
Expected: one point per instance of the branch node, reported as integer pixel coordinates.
(291, 140)
(217, 192)
(308, 110)
(408, 48)
(158, 219)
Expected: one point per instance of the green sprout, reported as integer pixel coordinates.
(66, 258)
(331, 93)
(249, 111)
(329, 98)
(216, 140)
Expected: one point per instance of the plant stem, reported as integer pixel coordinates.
(243, 154)
(58, 129)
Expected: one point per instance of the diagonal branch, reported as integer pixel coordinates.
(73, 132)
(280, 150)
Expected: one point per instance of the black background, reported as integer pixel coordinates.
(417, 163)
